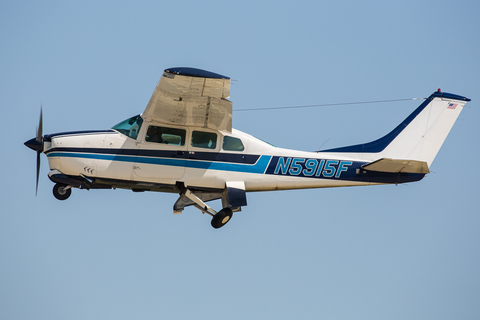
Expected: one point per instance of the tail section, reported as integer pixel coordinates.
(420, 136)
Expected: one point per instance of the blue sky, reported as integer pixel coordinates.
(382, 252)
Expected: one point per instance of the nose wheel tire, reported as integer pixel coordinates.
(61, 192)
(222, 217)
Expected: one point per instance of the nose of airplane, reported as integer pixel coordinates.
(34, 144)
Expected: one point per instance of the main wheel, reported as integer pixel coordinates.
(222, 217)
(61, 192)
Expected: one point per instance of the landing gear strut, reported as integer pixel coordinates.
(187, 197)
(62, 191)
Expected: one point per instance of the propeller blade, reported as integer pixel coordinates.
(38, 171)
(38, 146)
(40, 126)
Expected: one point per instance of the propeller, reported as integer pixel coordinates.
(39, 139)
(37, 145)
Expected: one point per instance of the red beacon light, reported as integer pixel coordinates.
(438, 90)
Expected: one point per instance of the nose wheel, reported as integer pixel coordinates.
(62, 191)
(221, 218)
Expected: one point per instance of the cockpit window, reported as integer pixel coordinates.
(130, 127)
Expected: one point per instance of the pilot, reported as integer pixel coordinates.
(153, 135)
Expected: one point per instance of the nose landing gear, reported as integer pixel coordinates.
(62, 191)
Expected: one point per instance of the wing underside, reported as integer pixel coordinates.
(191, 97)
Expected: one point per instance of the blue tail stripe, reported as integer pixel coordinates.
(380, 144)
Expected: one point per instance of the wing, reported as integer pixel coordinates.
(191, 97)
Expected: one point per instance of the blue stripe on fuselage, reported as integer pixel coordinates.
(345, 170)
(176, 154)
(272, 165)
(258, 167)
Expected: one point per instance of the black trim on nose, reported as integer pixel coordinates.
(34, 144)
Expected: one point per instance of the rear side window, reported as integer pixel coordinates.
(232, 144)
(166, 135)
(202, 139)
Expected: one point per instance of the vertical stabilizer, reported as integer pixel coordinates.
(420, 136)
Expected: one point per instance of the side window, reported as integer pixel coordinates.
(232, 144)
(204, 140)
(165, 135)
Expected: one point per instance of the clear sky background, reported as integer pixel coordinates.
(381, 252)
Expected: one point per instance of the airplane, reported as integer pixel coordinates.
(184, 143)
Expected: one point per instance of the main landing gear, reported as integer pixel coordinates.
(222, 217)
(187, 198)
(62, 191)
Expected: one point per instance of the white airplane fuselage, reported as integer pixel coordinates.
(112, 156)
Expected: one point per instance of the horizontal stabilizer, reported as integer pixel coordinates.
(397, 166)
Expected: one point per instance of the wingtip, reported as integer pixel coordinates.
(194, 72)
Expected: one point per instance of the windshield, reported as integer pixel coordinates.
(129, 127)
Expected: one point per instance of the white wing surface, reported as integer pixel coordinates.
(191, 97)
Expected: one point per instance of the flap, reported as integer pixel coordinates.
(397, 166)
(191, 97)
